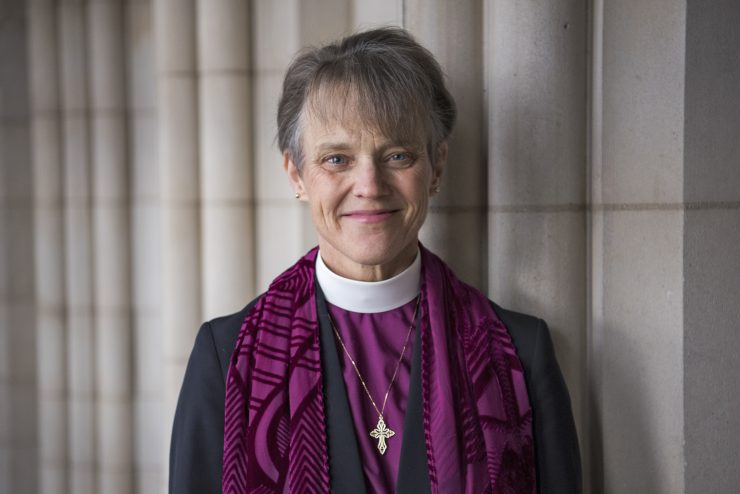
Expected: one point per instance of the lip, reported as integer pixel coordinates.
(370, 215)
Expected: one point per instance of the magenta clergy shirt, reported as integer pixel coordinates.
(375, 342)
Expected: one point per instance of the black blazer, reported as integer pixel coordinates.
(197, 434)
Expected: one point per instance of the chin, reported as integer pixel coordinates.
(377, 255)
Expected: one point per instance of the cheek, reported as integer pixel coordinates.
(325, 204)
(419, 195)
(418, 204)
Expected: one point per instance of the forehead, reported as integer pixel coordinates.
(342, 111)
(320, 135)
(318, 132)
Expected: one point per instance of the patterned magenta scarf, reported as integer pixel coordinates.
(477, 417)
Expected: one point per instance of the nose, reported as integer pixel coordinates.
(369, 179)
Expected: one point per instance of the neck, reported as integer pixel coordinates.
(347, 268)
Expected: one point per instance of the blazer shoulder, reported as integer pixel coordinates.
(525, 331)
(555, 437)
(518, 321)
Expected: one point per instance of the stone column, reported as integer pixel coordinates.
(226, 158)
(177, 148)
(111, 255)
(151, 435)
(275, 205)
(637, 239)
(378, 13)
(78, 248)
(49, 248)
(536, 104)
(5, 398)
(273, 51)
(302, 23)
(455, 226)
(711, 247)
(321, 21)
(18, 422)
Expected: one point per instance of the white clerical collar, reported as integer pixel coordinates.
(369, 296)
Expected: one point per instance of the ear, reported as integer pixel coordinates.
(294, 175)
(439, 165)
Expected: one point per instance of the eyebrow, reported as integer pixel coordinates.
(333, 145)
(340, 146)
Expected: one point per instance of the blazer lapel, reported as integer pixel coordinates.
(345, 468)
(413, 471)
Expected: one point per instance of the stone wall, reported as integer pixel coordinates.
(593, 181)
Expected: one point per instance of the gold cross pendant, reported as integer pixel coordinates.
(381, 433)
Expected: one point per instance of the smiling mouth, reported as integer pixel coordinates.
(371, 215)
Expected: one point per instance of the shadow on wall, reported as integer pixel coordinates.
(624, 457)
(458, 238)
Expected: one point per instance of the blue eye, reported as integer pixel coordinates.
(336, 160)
(400, 159)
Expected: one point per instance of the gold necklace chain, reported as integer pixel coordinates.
(381, 431)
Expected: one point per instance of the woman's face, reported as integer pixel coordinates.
(368, 196)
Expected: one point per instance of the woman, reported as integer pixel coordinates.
(368, 366)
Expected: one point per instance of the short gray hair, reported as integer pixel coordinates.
(383, 74)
